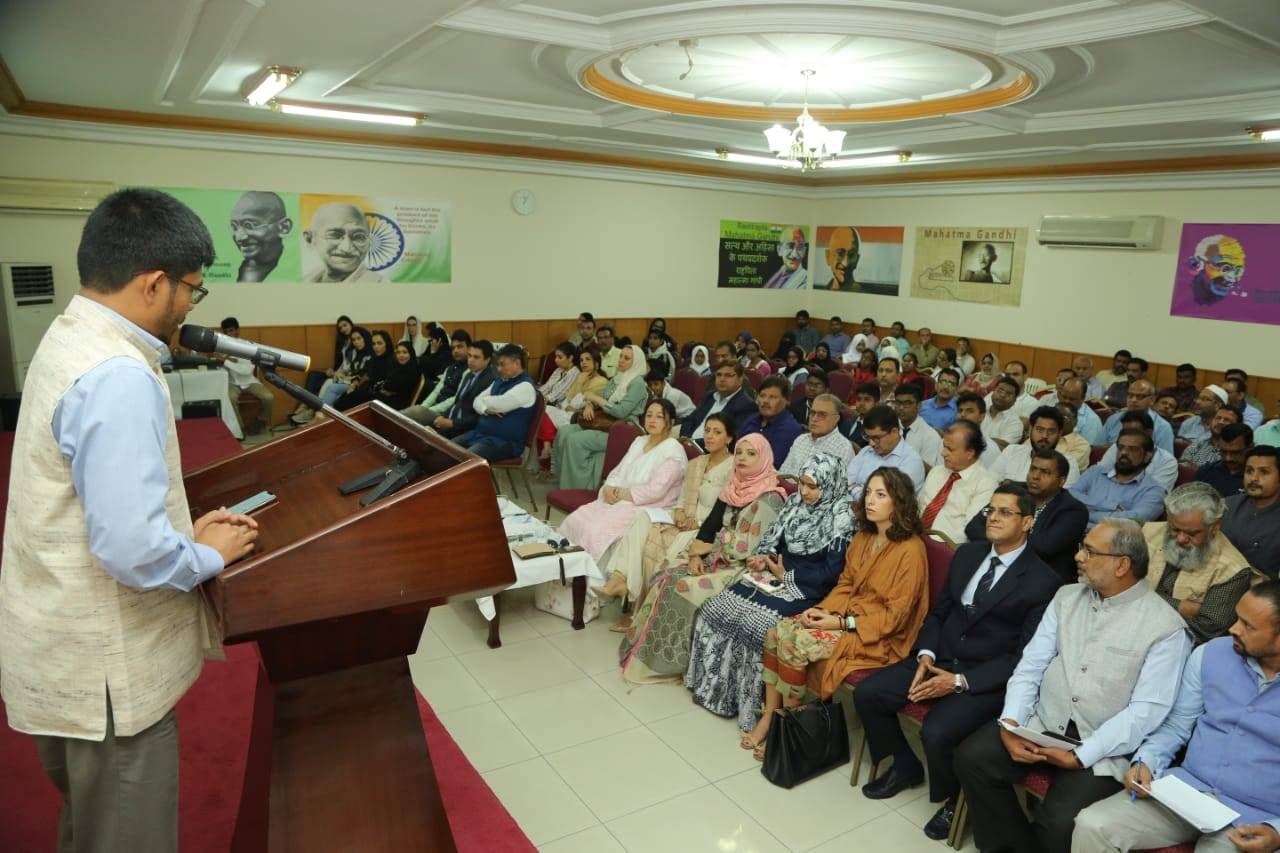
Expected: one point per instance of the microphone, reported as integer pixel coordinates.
(201, 339)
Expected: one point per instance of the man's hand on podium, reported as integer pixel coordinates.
(230, 534)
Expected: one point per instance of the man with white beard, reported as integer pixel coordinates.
(1193, 565)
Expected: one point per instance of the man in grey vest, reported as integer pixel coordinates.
(1099, 675)
(1232, 753)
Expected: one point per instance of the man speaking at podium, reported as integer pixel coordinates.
(101, 631)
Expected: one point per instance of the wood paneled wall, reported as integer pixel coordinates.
(541, 336)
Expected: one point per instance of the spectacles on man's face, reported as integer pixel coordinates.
(1090, 553)
(818, 413)
(198, 291)
(1000, 512)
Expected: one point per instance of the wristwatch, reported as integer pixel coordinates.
(960, 686)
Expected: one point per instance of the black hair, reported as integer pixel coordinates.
(869, 320)
(658, 368)
(485, 347)
(779, 382)
(971, 397)
(1148, 444)
(1236, 371)
(1141, 362)
(1006, 379)
(1122, 352)
(1064, 467)
(897, 365)
(835, 318)
(1143, 419)
(512, 351)
(568, 349)
(461, 336)
(1264, 450)
(818, 373)
(1018, 362)
(138, 230)
(911, 389)
(880, 417)
(974, 439)
(1026, 503)
(1050, 412)
(871, 389)
(950, 353)
(1231, 432)
(726, 420)
(668, 408)
(803, 313)
(1269, 590)
(608, 329)
(588, 316)
(950, 371)
(230, 323)
(1185, 367)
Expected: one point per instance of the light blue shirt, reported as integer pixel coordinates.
(1089, 426)
(1162, 436)
(903, 457)
(1141, 499)
(936, 416)
(1159, 750)
(1193, 430)
(1152, 697)
(1252, 416)
(112, 425)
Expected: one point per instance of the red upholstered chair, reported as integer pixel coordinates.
(777, 364)
(939, 554)
(1096, 452)
(1037, 783)
(788, 486)
(516, 464)
(704, 384)
(1179, 446)
(754, 377)
(686, 380)
(797, 391)
(621, 435)
(841, 384)
(1186, 473)
(691, 449)
(548, 367)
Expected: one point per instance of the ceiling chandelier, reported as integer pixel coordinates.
(810, 144)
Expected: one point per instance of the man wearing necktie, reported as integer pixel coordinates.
(960, 487)
(990, 606)
(462, 415)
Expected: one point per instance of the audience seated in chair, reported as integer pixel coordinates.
(866, 367)
(990, 606)
(885, 449)
(414, 337)
(242, 378)
(924, 349)
(656, 381)
(1046, 430)
(821, 358)
(1206, 404)
(772, 419)
(355, 357)
(869, 330)
(807, 335)
(815, 384)
(1118, 372)
(871, 617)
(659, 325)
(589, 380)
(586, 334)
(1141, 395)
(440, 396)
(1088, 424)
(958, 488)
(700, 360)
(794, 369)
(1118, 392)
(578, 452)
(912, 375)
(1060, 519)
(983, 380)
(1194, 566)
(1070, 443)
(1164, 465)
(1133, 645)
(972, 408)
(1227, 474)
(753, 359)
(939, 411)
(799, 558)
(436, 357)
(729, 395)
(1205, 451)
(504, 410)
(922, 437)
(656, 646)
(1236, 397)
(655, 349)
(402, 380)
(634, 557)
(1251, 521)
(461, 416)
(1124, 490)
(822, 437)
(1223, 681)
(364, 386)
(888, 374)
(556, 389)
(341, 349)
(607, 353)
(865, 397)
(1002, 425)
(836, 339)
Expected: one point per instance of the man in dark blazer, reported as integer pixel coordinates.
(729, 396)
(462, 416)
(1060, 519)
(968, 646)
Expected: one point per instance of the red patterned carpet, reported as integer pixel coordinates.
(213, 724)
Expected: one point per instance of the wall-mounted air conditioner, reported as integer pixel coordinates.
(44, 196)
(1101, 232)
(28, 307)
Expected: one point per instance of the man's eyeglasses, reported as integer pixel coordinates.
(818, 413)
(1090, 553)
(1000, 512)
(198, 291)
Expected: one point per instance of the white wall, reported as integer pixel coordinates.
(616, 248)
(1091, 300)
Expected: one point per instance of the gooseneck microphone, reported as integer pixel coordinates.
(202, 339)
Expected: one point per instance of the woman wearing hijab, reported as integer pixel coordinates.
(853, 352)
(793, 366)
(984, 380)
(436, 357)
(413, 336)
(656, 647)
(353, 364)
(794, 565)
(785, 343)
(889, 348)
(822, 358)
(655, 349)
(375, 372)
(700, 360)
(649, 475)
(659, 325)
(578, 453)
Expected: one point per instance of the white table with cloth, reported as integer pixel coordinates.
(188, 386)
(578, 566)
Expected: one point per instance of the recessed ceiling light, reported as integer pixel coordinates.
(294, 108)
(273, 80)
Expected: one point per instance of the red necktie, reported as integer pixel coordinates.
(935, 505)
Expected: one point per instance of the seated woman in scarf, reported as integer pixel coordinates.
(655, 348)
(578, 453)
(648, 476)
(437, 355)
(785, 343)
(402, 380)
(795, 564)
(355, 357)
(872, 616)
(589, 380)
(700, 360)
(822, 358)
(793, 367)
(374, 372)
(655, 537)
(656, 647)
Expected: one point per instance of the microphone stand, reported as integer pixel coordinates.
(387, 479)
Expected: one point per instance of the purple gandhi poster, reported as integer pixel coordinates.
(1212, 279)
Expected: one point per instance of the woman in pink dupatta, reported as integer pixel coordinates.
(650, 475)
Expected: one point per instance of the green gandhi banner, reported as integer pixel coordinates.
(763, 255)
(266, 236)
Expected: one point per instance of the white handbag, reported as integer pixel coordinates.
(556, 597)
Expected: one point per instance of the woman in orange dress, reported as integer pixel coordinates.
(871, 617)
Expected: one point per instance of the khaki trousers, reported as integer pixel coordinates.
(266, 401)
(1118, 823)
(119, 795)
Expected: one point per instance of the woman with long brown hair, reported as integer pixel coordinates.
(871, 617)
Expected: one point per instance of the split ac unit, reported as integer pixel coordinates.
(1101, 232)
(26, 311)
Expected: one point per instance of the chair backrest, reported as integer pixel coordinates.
(841, 384)
(417, 392)
(754, 378)
(548, 367)
(621, 435)
(539, 407)
(1096, 452)
(1179, 446)
(939, 555)
(700, 390)
(1186, 473)
(691, 449)
(686, 380)
(797, 391)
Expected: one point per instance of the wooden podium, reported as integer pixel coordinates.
(336, 596)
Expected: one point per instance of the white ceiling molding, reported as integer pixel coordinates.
(992, 119)
(181, 40)
(1240, 179)
(227, 42)
(509, 23)
(1103, 25)
(1262, 104)
(432, 102)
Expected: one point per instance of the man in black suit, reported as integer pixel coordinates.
(729, 396)
(990, 606)
(462, 416)
(1060, 519)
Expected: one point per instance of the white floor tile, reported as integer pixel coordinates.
(648, 702)
(918, 809)
(431, 647)
(487, 737)
(566, 715)
(464, 629)
(625, 772)
(540, 801)
(446, 684)
(806, 815)
(703, 820)
(597, 839)
(520, 668)
(594, 649)
(708, 742)
(889, 833)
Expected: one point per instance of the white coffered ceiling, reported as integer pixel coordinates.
(962, 84)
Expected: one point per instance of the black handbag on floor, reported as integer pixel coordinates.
(804, 742)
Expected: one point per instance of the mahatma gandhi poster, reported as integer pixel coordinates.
(962, 264)
(1210, 281)
(268, 236)
(859, 259)
(763, 255)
